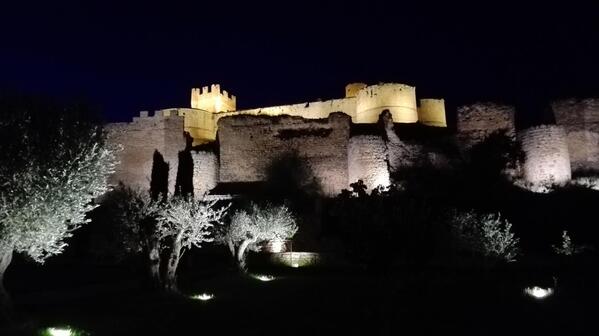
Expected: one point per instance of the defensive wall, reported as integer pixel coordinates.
(580, 119)
(367, 160)
(363, 103)
(547, 159)
(206, 169)
(332, 144)
(477, 121)
(140, 139)
(249, 145)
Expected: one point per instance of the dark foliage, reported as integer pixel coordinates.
(385, 229)
(46, 131)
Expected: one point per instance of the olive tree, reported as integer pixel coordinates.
(486, 234)
(130, 215)
(52, 167)
(182, 224)
(258, 224)
(568, 248)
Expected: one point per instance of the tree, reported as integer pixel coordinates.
(182, 224)
(53, 164)
(250, 227)
(486, 234)
(568, 248)
(130, 215)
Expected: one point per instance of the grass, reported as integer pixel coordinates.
(309, 303)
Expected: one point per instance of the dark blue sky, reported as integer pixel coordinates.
(137, 56)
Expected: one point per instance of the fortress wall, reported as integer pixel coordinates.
(399, 99)
(139, 140)
(400, 154)
(198, 123)
(477, 121)
(309, 110)
(250, 144)
(580, 119)
(205, 171)
(547, 159)
(431, 112)
(212, 99)
(367, 161)
(352, 89)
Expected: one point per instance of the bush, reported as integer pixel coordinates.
(487, 234)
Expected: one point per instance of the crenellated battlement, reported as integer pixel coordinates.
(213, 99)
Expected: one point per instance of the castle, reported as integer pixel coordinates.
(370, 134)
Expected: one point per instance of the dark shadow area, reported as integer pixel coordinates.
(159, 178)
(184, 183)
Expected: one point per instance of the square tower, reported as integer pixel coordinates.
(213, 99)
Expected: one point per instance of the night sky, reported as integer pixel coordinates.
(124, 58)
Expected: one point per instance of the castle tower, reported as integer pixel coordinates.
(213, 99)
(352, 89)
(547, 160)
(432, 112)
(399, 99)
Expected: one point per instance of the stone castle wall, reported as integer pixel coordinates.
(398, 99)
(367, 160)
(431, 112)
(477, 121)
(309, 110)
(547, 159)
(139, 139)
(205, 171)
(249, 145)
(199, 124)
(580, 119)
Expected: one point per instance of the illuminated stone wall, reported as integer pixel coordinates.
(352, 89)
(547, 159)
(309, 110)
(205, 171)
(431, 112)
(212, 99)
(399, 99)
(400, 154)
(362, 103)
(580, 119)
(140, 138)
(250, 144)
(367, 160)
(477, 121)
(198, 123)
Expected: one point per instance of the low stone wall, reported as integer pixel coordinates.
(296, 259)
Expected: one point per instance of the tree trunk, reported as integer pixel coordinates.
(231, 246)
(5, 302)
(170, 283)
(241, 255)
(154, 263)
